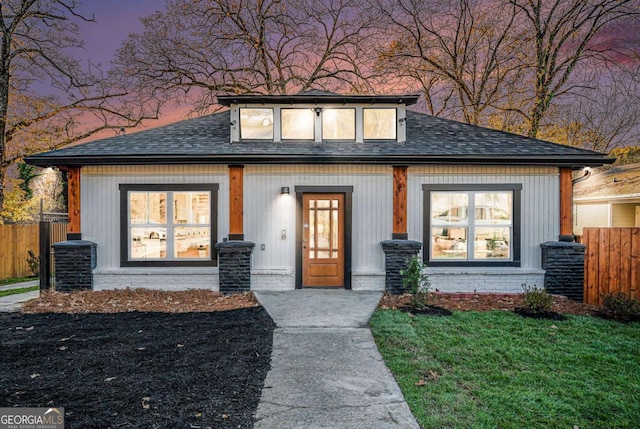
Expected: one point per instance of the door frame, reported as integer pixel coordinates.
(348, 192)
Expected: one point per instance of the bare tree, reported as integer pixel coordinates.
(565, 33)
(36, 38)
(195, 50)
(465, 55)
(610, 114)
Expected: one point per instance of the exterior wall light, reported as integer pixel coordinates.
(284, 190)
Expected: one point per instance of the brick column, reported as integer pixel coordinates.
(75, 261)
(563, 263)
(234, 265)
(396, 255)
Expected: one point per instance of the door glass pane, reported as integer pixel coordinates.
(334, 230)
(323, 204)
(297, 124)
(448, 243)
(324, 230)
(334, 204)
(148, 243)
(192, 242)
(312, 228)
(339, 124)
(312, 254)
(379, 124)
(256, 124)
(191, 207)
(492, 243)
(324, 254)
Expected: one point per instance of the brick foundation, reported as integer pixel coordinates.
(564, 265)
(75, 261)
(396, 255)
(234, 265)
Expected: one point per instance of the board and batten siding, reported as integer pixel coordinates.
(540, 223)
(100, 223)
(270, 221)
(268, 215)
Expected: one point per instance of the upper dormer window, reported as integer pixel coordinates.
(317, 116)
(339, 124)
(298, 124)
(256, 124)
(379, 124)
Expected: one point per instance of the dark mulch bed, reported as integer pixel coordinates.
(138, 369)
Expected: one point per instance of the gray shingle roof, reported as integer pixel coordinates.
(430, 140)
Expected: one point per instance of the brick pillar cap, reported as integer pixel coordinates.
(562, 244)
(400, 243)
(74, 243)
(235, 244)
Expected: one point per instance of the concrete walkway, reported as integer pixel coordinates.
(14, 302)
(326, 371)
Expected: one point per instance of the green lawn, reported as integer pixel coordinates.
(17, 291)
(13, 280)
(499, 370)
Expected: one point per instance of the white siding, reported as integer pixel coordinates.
(100, 221)
(267, 213)
(540, 200)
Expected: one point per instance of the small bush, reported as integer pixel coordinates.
(34, 262)
(536, 300)
(416, 282)
(619, 306)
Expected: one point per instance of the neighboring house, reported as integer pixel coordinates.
(608, 197)
(317, 181)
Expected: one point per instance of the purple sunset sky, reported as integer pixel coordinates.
(115, 20)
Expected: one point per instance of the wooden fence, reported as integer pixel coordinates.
(612, 263)
(15, 243)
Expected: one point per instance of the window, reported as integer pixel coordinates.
(379, 124)
(256, 124)
(472, 224)
(339, 124)
(164, 225)
(297, 124)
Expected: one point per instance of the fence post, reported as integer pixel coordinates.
(45, 255)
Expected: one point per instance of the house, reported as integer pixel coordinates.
(608, 197)
(317, 190)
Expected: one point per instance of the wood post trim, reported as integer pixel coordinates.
(73, 201)
(566, 202)
(236, 202)
(400, 203)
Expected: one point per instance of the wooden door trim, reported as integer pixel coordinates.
(348, 192)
